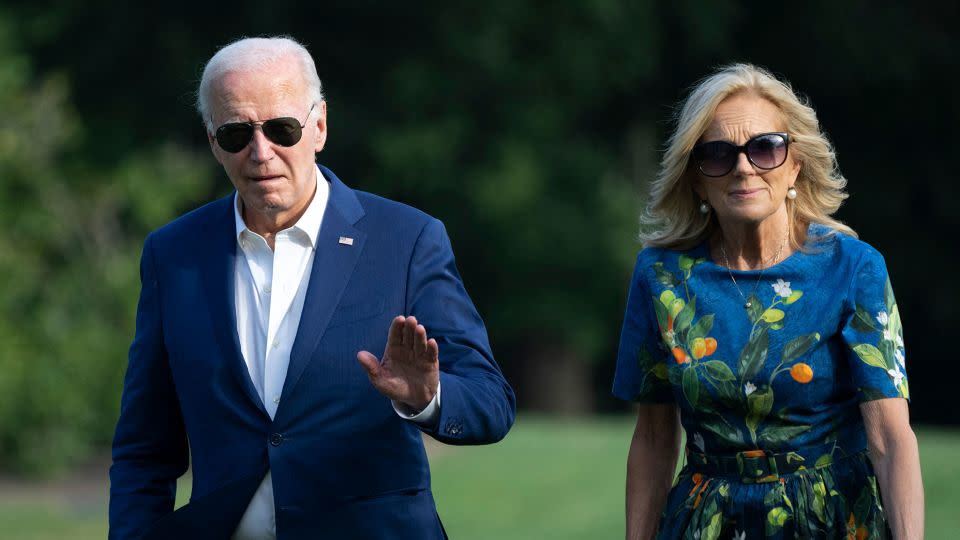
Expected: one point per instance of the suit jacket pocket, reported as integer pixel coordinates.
(398, 515)
(352, 311)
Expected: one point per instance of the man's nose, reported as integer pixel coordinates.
(261, 149)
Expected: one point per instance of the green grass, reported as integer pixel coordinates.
(549, 479)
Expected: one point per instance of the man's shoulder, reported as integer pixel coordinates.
(382, 208)
(190, 225)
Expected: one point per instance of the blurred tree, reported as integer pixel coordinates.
(530, 128)
(72, 235)
(512, 133)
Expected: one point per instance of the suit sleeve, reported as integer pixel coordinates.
(150, 446)
(478, 405)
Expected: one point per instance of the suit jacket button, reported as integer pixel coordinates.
(276, 439)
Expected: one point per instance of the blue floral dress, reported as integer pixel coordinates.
(768, 389)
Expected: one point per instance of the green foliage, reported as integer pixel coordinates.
(498, 134)
(68, 257)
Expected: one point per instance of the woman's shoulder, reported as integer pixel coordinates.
(654, 254)
(843, 249)
(843, 253)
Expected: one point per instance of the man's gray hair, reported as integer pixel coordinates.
(255, 54)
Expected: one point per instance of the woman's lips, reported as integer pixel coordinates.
(745, 193)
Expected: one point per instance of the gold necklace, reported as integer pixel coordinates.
(776, 257)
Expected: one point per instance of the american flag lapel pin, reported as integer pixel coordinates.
(346, 240)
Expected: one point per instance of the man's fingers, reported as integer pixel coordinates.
(395, 335)
(370, 363)
(420, 341)
(409, 329)
(433, 350)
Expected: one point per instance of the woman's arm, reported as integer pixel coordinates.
(896, 459)
(651, 464)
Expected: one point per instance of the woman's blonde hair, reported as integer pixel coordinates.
(672, 218)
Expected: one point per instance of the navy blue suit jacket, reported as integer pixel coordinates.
(344, 465)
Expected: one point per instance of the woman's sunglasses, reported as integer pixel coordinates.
(765, 151)
(235, 136)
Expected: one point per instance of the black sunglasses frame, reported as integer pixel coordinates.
(742, 149)
(265, 126)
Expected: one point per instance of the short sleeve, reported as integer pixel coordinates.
(873, 332)
(641, 373)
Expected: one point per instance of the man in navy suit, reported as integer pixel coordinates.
(256, 319)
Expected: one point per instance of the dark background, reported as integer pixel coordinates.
(529, 128)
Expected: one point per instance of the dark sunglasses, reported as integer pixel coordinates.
(765, 151)
(235, 136)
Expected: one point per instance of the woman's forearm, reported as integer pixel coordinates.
(898, 473)
(896, 460)
(651, 464)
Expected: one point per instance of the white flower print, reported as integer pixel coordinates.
(882, 317)
(698, 441)
(696, 535)
(887, 335)
(671, 338)
(749, 388)
(782, 288)
(899, 341)
(740, 535)
(896, 376)
(900, 357)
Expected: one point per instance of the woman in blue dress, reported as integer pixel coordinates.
(768, 331)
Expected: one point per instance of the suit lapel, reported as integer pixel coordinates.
(219, 276)
(333, 264)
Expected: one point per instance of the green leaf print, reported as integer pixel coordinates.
(686, 263)
(864, 505)
(777, 436)
(819, 501)
(753, 355)
(794, 296)
(799, 346)
(718, 370)
(667, 297)
(755, 310)
(893, 324)
(775, 520)
(823, 461)
(870, 355)
(729, 393)
(773, 315)
(682, 323)
(662, 315)
(675, 374)
(664, 276)
(888, 294)
(773, 496)
(659, 371)
(701, 329)
(691, 386)
(719, 426)
(759, 404)
(863, 321)
(712, 530)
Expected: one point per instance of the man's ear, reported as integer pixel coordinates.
(214, 147)
(321, 138)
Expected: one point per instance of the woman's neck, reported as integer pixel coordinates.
(751, 246)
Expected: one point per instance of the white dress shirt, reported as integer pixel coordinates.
(270, 289)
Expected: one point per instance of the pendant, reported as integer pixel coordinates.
(747, 305)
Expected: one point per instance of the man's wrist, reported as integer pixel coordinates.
(424, 416)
